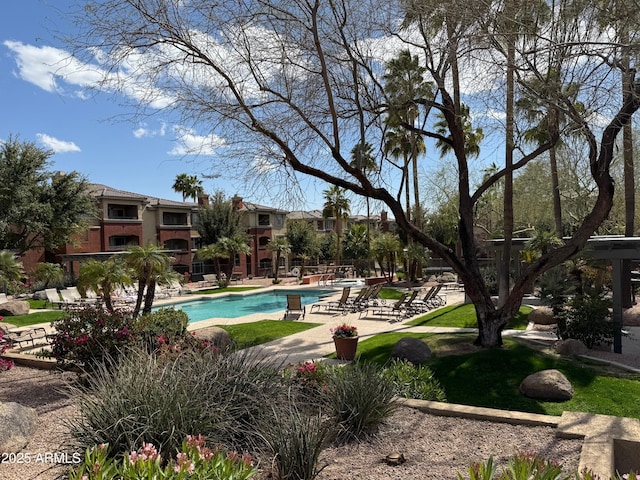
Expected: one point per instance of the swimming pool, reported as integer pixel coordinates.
(234, 306)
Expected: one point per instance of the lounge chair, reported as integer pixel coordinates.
(371, 299)
(53, 297)
(354, 303)
(395, 310)
(340, 305)
(295, 310)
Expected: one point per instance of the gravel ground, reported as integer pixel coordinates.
(434, 447)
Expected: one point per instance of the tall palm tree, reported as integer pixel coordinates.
(189, 185)
(280, 246)
(362, 158)
(150, 266)
(104, 277)
(404, 85)
(338, 205)
(11, 271)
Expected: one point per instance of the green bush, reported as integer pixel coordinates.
(89, 335)
(144, 397)
(166, 325)
(358, 398)
(413, 381)
(194, 461)
(587, 318)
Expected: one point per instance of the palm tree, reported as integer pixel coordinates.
(336, 205)
(49, 273)
(189, 185)
(224, 248)
(11, 271)
(363, 159)
(280, 246)
(150, 266)
(385, 249)
(404, 84)
(104, 277)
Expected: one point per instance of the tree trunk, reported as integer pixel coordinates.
(504, 274)
(557, 207)
(149, 296)
(629, 179)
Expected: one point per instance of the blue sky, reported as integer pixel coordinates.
(87, 130)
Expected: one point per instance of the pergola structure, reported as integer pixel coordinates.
(615, 248)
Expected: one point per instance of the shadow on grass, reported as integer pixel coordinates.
(491, 378)
(464, 316)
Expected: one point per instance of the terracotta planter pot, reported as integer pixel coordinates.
(346, 347)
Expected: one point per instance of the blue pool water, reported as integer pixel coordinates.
(233, 306)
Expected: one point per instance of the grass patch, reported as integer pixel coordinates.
(247, 335)
(490, 378)
(210, 291)
(34, 318)
(390, 293)
(464, 316)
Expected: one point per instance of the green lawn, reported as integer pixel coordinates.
(464, 316)
(34, 318)
(490, 378)
(255, 333)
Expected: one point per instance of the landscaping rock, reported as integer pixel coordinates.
(216, 336)
(18, 425)
(542, 316)
(549, 385)
(412, 350)
(571, 346)
(14, 307)
(447, 277)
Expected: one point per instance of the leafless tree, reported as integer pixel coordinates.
(291, 85)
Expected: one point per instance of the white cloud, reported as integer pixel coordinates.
(188, 143)
(58, 146)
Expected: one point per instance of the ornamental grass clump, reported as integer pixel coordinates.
(411, 381)
(295, 440)
(358, 398)
(145, 397)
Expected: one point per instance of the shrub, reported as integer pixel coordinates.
(412, 381)
(358, 398)
(89, 335)
(194, 461)
(295, 439)
(144, 398)
(587, 318)
(164, 326)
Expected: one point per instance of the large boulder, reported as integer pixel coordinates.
(215, 336)
(412, 350)
(18, 425)
(548, 385)
(542, 316)
(570, 347)
(14, 307)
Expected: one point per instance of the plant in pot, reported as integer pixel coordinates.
(345, 338)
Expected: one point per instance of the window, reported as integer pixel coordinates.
(263, 242)
(176, 244)
(120, 242)
(265, 263)
(328, 225)
(196, 243)
(320, 225)
(279, 220)
(173, 218)
(122, 212)
(236, 260)
(263, 220)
